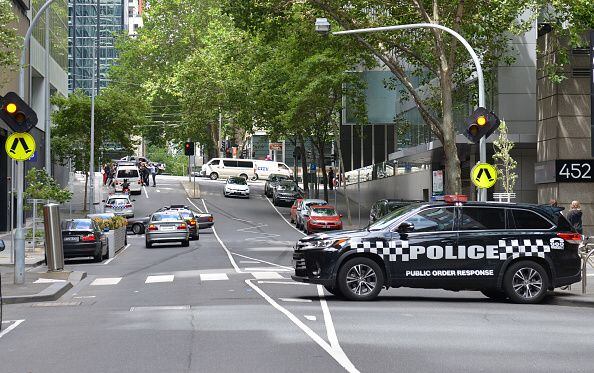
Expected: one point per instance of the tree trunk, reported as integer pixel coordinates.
(342, 178)
(453, 184)
(85, 196)
(304, 166)
(322, 163)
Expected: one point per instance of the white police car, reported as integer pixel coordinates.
(504, 250)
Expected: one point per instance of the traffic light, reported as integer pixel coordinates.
(189, 148)
(481, 123)
(16, 113)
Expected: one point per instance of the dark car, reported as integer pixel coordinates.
(383, 207)
(271, 183)
(504, 250)
(82, 237)
(286, 192)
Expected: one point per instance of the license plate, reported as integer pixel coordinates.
(71, 239)
(168, 228)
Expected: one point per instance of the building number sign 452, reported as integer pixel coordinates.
(574, 171)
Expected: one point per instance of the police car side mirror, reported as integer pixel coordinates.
(405, 227)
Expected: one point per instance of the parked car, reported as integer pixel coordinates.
(383, 207)
(266, 168)
(120, 205)
(82, 237)
(286, 192)
(302, 209)
(167, 226)
(236, 186)
(271, 183)
(294, 208)
(322, 218)
(227, 167)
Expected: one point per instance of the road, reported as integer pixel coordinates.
(227, 304)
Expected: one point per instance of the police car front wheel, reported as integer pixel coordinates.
(526, 282)
(360, 279)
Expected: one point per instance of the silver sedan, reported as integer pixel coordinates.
(167, 226)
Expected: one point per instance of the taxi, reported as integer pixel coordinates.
(504, 250)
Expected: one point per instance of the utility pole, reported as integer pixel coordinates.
(48, 141)
(95, 74)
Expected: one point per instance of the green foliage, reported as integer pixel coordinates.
(175, 164)
(111, 223)
(504, 162)
(9, 42)
(41, 186)
(117, 115)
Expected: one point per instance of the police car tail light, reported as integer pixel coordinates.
(571, 237)
(455, 198)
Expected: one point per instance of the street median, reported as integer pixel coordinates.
(192, 189)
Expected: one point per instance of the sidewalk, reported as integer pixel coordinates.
(39, 286)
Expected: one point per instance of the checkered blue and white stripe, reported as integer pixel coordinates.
(516, 249)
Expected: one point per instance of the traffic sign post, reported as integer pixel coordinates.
(483, 175)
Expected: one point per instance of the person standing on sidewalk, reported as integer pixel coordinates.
(331, 178)
(153, 171)
(575, 216)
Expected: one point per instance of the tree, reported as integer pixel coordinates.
(117, 114)
(8, 36)
(41, 186)
(504, 162)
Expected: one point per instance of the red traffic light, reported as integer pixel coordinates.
(189, 148)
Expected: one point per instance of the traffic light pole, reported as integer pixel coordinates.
(482, 195)
(19, 240)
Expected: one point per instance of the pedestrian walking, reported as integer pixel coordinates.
(144, 174)
(153, 171)
(331, 178)
(574, 215)
(104, 170)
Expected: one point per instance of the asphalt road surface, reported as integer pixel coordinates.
(227, 304)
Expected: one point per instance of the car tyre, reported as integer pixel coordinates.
(99, 256)
(360, 279)
(334, 290)
(148, 244)
(137, 228)
(497, 295)
(526, 282)
(214, 176)
(106, 252)
(185, 243)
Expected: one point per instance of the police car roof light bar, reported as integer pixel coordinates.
(455, 198)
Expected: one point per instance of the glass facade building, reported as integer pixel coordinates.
(58, 30)
(84, 23)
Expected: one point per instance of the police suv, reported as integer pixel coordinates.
(504, 250)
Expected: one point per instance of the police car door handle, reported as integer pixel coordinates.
(448, 242)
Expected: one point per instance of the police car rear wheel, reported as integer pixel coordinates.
(526, 282)
(360, 279)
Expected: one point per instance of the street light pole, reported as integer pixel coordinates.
(477, 64)
(19, 240)
(48, 154)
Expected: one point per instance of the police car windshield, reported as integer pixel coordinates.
(117, 201)
(387, 220)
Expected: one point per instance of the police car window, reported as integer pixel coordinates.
(525, 219)
(433, 220)
(385, 221)
(481, 218)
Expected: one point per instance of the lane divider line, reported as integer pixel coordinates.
(284, 283)
(235, 267)
(282, 216)
(263, 261)
(119, 252)
(336, 353)
(296, 300)
(332, 337)
(11, 327)
(198, 208)
(145, 192)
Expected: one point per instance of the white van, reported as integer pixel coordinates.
(130, 172)
(266, 168)
(227, 167)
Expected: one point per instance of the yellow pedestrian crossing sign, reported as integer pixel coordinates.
(20, 146)
(483, 175)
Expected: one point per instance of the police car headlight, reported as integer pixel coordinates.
(335, 244)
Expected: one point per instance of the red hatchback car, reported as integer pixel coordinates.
(294, 208)
(322, 218)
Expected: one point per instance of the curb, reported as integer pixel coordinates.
(51, 293)
(27, 265)
(189, 188)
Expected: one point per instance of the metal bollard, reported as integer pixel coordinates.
(54, 251)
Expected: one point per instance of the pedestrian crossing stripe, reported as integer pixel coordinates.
(153, 279)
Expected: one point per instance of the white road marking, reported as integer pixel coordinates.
(219, 239)
(248, 262)
(47, 281)
(199, 210)
(282, 216)
(590, 275)
(243, 220)
(336, 353)
(263, 261)
(160, 308)
(267, 269)
(266, 275)
(145, 192)
(159, 278)
(106, 281)
(85, 297)
(284, 283)
(158, 191)
(213, 276)
(14, 324)
(332, 338)
(119, 252)
(296, 300)
(310, 317)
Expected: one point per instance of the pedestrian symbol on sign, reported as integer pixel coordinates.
(483, 175)
(20, 146)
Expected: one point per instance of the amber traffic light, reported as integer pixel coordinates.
(16, 113)
(481, 123)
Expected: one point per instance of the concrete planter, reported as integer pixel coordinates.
(116, 239)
